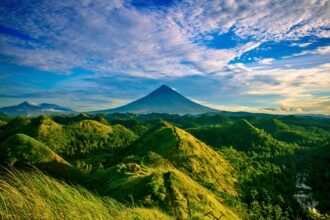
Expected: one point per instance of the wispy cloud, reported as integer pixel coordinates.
(301, 44)
(116, 37)
(266, 61)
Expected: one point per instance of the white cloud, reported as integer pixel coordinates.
(301, 44)
(264, 20)
(114, 37)
(302, 109)
(322, 50)
(266, 61)
(295, 89)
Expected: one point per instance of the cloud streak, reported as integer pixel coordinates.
(116, 37)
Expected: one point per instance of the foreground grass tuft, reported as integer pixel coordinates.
(33, 195)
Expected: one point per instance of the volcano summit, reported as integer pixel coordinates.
(162, 100)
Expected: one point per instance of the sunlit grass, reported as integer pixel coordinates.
(33, 195)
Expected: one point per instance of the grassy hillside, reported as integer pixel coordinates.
(170, 169)
(89, 135)
(72, 140)
(42, 128)
(33, 195)
(23, 151)
(21, 148)
(187, 154)
(163, 187)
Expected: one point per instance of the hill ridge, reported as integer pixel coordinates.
(187, 154)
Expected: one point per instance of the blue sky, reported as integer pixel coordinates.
(244, 55)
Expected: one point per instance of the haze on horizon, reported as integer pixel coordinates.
(257, 56)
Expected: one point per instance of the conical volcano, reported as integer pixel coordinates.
(162, 100)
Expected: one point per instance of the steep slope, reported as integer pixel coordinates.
(162, 100)
(27, 108)
(187, 154)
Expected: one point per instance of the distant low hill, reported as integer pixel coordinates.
(242, 135)
(162, 100)
(30, 109)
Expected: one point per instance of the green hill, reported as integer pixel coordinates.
(23, 149)
(272, 125)
(13, 126)
(306, 136)
(101, 119)
(187, 154)
(17, 122)
(242, 135)
(42, 128)
(77, 138)
(93, 126)
(89, 135)
(169, 168)
(65, 119)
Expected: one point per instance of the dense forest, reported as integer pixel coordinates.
(162, 166)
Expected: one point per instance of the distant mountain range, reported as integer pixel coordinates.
(162, 100)
(28, 109)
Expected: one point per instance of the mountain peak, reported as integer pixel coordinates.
(164, 89)
(26, 103)
(162, 100)
(164, 86)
